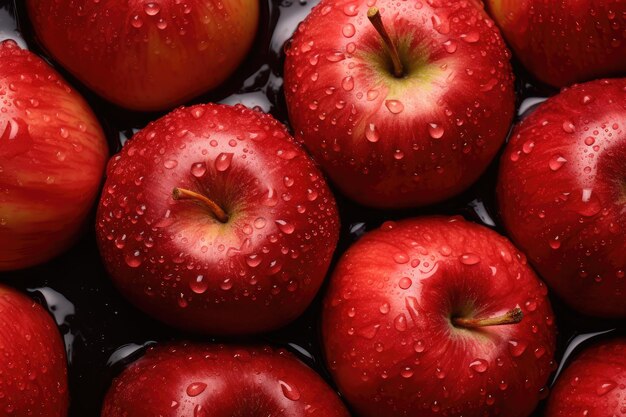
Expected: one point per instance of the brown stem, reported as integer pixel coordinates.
(183, 194)
(374, 16)
(510, 317)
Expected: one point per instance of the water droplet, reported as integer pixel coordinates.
(199, 285)
(517, 348)
(152, 9)
(401, 258)
(569, 127)
(605, 388)
(469, 259)
(347, 83)
(471, 37)
(170, 163)
(450, 46)
(400, 323)
(405, 283)
(371, 134)
(198, 169)
(556, 162)
(394, 106)
(290, 392)
(435, 130)
(223, 161)
(195, 389)
(348, 30)
(479, 365)
(133, 259)
(285, 227)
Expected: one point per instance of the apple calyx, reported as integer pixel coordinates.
(373, 14)
(216, 211)
(510, 317)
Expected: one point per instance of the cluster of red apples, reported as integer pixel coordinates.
(215, 220)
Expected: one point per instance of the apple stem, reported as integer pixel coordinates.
(510, 317)
(374, 16)
(183, 194)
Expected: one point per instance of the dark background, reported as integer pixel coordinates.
(103, 332)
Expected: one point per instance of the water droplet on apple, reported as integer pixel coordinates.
(557, 162)
(199, 285)
(348, 30)
(405, 283)
(196, 388)
(450, 46)
(170, 163)
(605, 388)
(469, 259)
(394, 106)
(517, 348)
(400, 322)
(479, 365)
(152, 8)
(198, 169)
(133, 259)
(223, 161)
(347, 83)
(290, 392)
(406, 372)
(369, 332)
(371, 134)
(471, 37)
(568, 127)
(285, 227)
(401, 258)
(435, 130)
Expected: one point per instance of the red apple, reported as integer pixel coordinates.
(562, 194)
(438, 317)
(220, 381)
(406, 121)
(147, 55)
(593, 385)
(52, 157)
(33, 371)
(213, 219)
(566, 41)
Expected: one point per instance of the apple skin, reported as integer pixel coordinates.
(593, 384)
(387, 331)
(147, 55)
(33, 370)
(400, 142)
(562, 194)
(566, 41)
(175, 261)
(183, 380)
(52, 158)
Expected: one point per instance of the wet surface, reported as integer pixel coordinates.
(103, 332)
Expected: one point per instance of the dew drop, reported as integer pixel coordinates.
(223, 161)
(198, 169)
(290, 392)
(394, 106)
(199, 285)
(479, 365)
(435, 130)
(469, 259)
(133, 259)
(371, 134)
(285, 227)
(196, 388)
(557, 162)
